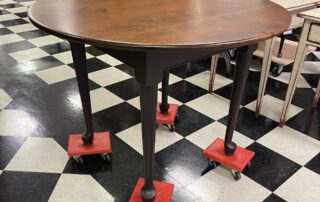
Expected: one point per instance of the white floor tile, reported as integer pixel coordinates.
(22, 28)
(10, 38)
(101, 99)
(29, 54)
(45, 40)
(202, 80)
(213, 106)
(303, 186)
(71, 187)
(285, 77)
(136, 101)
(16, 123)
(218, 185)
(18, 9)
(205, 136)
(292, 144)
(172, 79)
(310, 67)
(109, 60)
(108, 76)
(133, 137)
(56, 74)
(27, 3)
(5, 99)
(8, 17)
(39, 155)
(66, 57)
(272, 108)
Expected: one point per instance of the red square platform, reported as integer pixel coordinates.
(169, 117)
(101, 144)
(163, 191)
(238, 161)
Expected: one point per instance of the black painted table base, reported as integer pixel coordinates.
(149, 70)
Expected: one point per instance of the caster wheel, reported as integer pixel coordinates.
(236, 175)
(78, 159)
(248, 166)
(106, 157)
(212, 164)
(172, 128)
(176, 120)
(276, 70)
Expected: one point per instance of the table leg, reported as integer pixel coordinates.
(80, 64)
(164, 106)
(148, 103)
(317, 96)
(267, 59)
(299, 58)
(239, 83)
(213, 68)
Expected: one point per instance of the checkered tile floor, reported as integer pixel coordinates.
(40, 106)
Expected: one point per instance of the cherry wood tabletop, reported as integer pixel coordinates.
(161, 24)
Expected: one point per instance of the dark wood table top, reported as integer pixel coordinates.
(161, 24)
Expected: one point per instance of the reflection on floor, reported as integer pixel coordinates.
(40, 106)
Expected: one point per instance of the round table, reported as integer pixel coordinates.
(153, 36)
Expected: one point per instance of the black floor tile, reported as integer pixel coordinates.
(251, 126)
(56, 48)
(33, 34)
(184, 91)
(274, 198)
(32, 66)
(15, 22)
(22, 15)
(312, 79)
(306, 102)
(118, 117)
(183, 161)
(190, 121)
(126, 69)
(94, 64)
(94, 51)
(17, 46)
(307, 122)
(4, 31)
(24, 186)
(314, 164)
(12, 5)
(126, 89)
(269, 168)
(8, 148)
(4, 12)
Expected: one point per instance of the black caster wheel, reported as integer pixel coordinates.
(276, 70)
(78, 159)
(248, 166)
(106, 157)
(176, 120)
(212, 164)
(236, 175)
(172, 128)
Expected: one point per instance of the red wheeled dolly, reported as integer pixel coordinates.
(237, 162)
(227, 152)
(163, 191)
(101, 145)
(88, 142)
(167, 114)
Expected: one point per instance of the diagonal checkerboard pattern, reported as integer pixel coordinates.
(40, 106)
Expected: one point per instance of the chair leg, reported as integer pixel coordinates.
(267, 58)
(213, 68)
(299, 58)
(317, 96)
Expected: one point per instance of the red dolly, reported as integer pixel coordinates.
(167, 114)
(227, 152)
